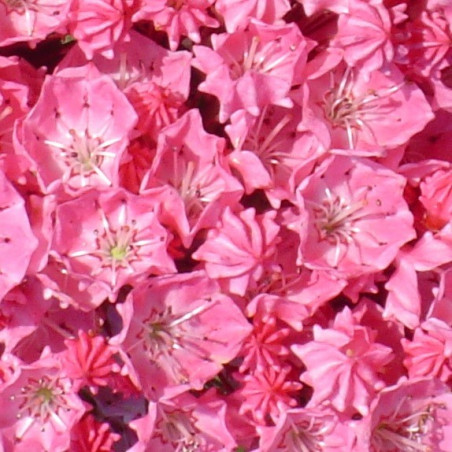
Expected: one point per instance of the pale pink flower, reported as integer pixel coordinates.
(77, 142)
(252, 68)
(357, 217)
(112, 236)
(236, 13)
(98, 25)
(344, 364)
(40, 405)
(31, 20)
(171, 325)
(177, 18)
(17, 242)
(429, 353)
(238, 251)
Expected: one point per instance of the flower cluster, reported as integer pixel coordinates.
(225, 225)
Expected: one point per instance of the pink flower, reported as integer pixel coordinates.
(236, 13)
(268, 154)
(178, 18)
(364, 34)
(89, 359)
(368, 114)
(357, 217)
(40, 405)
(429, 353)
(89, 435)
(17, 242)
(253, 68)
(344, 364)
(411, 416)
(31, 20)
(189, 160)
(171, 326)
(437, 199)
(304, 429)
(268, 393)
(113, 236)
(79, 142)
(247, 242)
(99, 25)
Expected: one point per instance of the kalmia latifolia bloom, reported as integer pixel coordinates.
(77, 142)
(225, 226)
(113, 236)
(171, 326)
(353, 223)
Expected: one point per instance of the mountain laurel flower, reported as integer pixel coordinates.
(357, 217)
(344, 364)
(41, 405)
(171, 326)
(429, 353)
(368, 115)
(414, 415)
(252, 68)
(247, 242)
(17, 242)
(113, 236)
(78, 142)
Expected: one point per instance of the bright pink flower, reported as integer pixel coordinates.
(18, 317)
(368, 114)
(269, 154)
(236, 13)
(267, 393)
(78, 142)
(31, 20)
(313, 6)
(189, 160)
(364, 34)
(113, 236)
(89, 360)
(265, 346)
(177, 18)
(344, 364)
(185, 423)
(238, 251)
(17, 242)
(411, 416)
(429, 353)
(436, 196)
(253, 68)
(303, 429)
(89, 435)
(98, 25)
(171, 325)
(41, 405)
(357, 218)
(423, 43)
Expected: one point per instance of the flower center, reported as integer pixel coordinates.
(84, 155)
